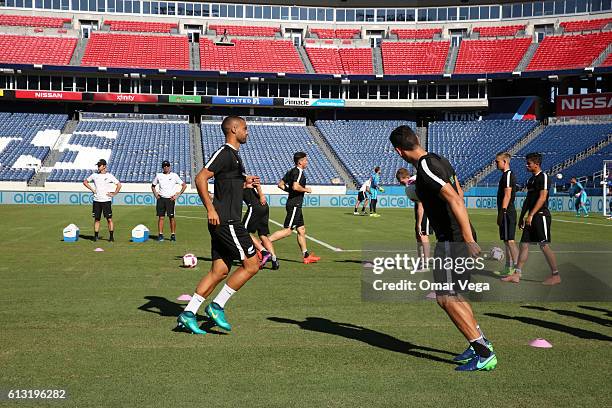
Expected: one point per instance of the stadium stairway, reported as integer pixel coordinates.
(331, 157)
(377, 61)
(79, 51)
(527, 57)
(558, 168)
(488, 169)
(197, 158)
(305, 60)
(451, 60)
(194, 51)
(603, 56)
(43, 172)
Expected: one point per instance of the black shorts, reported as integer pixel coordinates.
(165, 206)
(361, 196)
(100, 208)
(294, 218)
(507, 228)
(425, 225)
(452, 277)
(539, 232)
(229, 242)
(256, 219)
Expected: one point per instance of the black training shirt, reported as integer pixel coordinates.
(229, 181)
(295, 198)
(507, 180)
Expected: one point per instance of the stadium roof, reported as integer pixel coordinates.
(373, 4)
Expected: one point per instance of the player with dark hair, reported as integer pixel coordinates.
(294, 182)
(164, 189)
(229, 239)
(363, 196)
(422, 227)
(536, 228)
(375, 188)
(506, 212)
(579, 193)
(106, 186)
(255, 220)
(438, 189)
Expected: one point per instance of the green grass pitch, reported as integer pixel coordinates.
(100, 325)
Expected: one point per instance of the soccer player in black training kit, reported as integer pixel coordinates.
(536, 228)
(294, 182)
(255, 220)
(506, 213)
(438, 189)
(229, 239)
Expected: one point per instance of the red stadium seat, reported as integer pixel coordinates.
(31, 21)
(414, 57)
(346, 33)
(503, 31)
(250, 56)
(569, 51)
(245, 31)
(585, 25)
(483, 56)
(18, 49)
(607, 62)
(341, 60)
(140, 26)
(414, 34)
(137, 51)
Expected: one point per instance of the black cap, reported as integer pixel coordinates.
(165, 163)
(101, 162)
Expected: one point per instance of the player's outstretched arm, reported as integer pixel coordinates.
(201, 182)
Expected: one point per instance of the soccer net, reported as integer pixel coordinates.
(606, 185)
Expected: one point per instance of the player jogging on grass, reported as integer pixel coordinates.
(106, 186)
(294, 182)
(363, 197)
(440, 193)
(422, 227)
(579, 193)
(164, 189)
(255, 220)
(506, 212)
(229, 239)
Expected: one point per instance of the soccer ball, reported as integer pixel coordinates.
(559, 176)
(497, 254)
(411, 189)
(190, 261)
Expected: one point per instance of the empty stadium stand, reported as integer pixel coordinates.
(25, 141)
(469, 146)
(343, 33)
(33, 21)
(484, 56)
(589, 166)
(244, 31)
(341, 60)
(136, 51)
(585, 25)
(607, 62)
(360, 145)
(416, 34)
(140, 26)
(270, 152)
(414, 57)
(21, 49)
(251, 56)
(134, 150)
(569, 51)
(502, 31)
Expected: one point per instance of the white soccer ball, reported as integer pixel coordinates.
(497, 254)
(559, 176)
(411, 189)
(190, 261)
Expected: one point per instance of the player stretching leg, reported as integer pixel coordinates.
(506, 212)
(536, 228)
(441, 195)
(229, 239)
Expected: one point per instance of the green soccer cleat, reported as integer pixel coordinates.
(188, 321)
(216, 312)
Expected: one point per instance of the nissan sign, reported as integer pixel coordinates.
(582, 105)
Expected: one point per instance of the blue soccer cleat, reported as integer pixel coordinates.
(479, 364)
(188, 321)
(216, 312)
(466, 356)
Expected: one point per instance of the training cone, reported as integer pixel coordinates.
(98, 250)
(540, 343)
(184, 298)
(431, 295)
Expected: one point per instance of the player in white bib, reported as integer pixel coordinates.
(165, 189)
